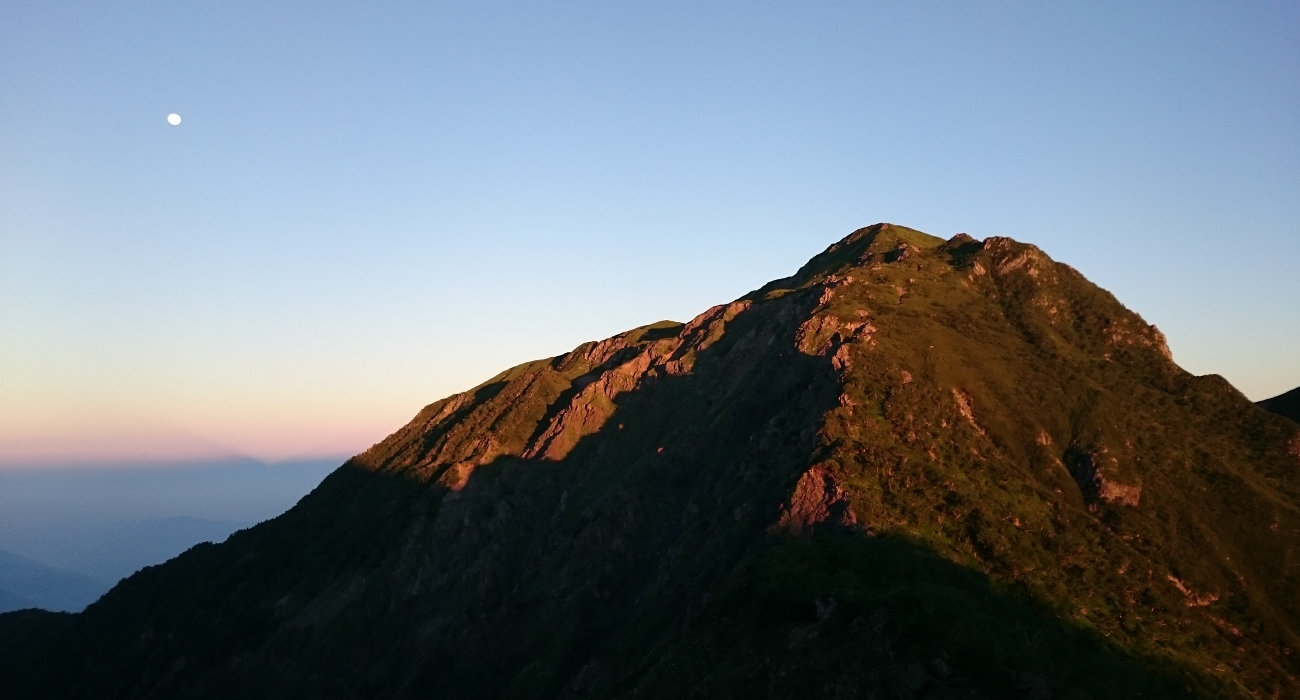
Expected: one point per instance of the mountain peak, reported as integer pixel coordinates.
(854, 249)
(915, 468)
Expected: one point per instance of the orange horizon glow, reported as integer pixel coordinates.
(102, 437)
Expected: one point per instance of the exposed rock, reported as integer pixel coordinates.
(1009, 256)
(823, 333)
(902, 252)
(1158, 341)
(830, 285)
(817, 504)
(595, 403)
(966, 407)
(1089, 472)
(1139, 334)
(843, 358)
(1193, 600)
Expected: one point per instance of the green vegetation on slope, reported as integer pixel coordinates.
(882, 617)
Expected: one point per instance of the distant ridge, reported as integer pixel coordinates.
(12, 601)
(1287, 404)
(29, 584)
(915, 469)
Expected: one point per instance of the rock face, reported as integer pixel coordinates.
(1089, 469)
(915, 469)
(818, 503)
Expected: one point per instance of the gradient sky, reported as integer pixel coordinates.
(369, 206)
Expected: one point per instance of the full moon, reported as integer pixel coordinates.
(174, 119)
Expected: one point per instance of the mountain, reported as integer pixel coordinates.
(113, 550)
(108, 521)
(12, 601)
(1287, 404)
(28, 584)
(915, 469)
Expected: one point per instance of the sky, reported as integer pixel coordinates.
(370, 206)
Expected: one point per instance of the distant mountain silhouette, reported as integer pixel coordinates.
(109, 521)
(12, 601)
(115, 550)
(28, 584)
(915, 469)
(1287, 404)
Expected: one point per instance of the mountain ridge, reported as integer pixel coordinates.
(26, 583)
(1286, 404)
(914, 468)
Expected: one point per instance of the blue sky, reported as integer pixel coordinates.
(369, 206)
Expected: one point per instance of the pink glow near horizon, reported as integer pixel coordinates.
(141, 442)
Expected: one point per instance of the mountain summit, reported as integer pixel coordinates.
(915, 469)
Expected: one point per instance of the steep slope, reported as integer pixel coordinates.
(916, 468)
(1287, 404)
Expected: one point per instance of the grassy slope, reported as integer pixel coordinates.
(1051, 362)
(1198, 580)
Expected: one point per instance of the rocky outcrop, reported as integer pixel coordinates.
(1090, 469)
(966, 407)
(818, 504)
(824, 333)
(1127, 333)
(1009, 256)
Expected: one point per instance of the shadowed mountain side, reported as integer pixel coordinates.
(518, 568)
(915, 469)
(1286, 405)
(850, 617)
(823, 616)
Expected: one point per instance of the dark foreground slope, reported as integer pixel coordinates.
(915, 469)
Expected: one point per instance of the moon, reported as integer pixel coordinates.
(174, 119)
